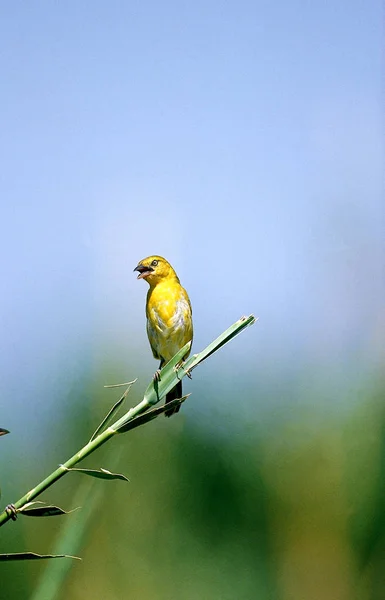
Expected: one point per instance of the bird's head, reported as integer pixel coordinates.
(154, 269)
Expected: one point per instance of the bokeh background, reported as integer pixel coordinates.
(242, 141)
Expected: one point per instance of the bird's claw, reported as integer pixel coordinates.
(157, 375)
(179, 365)
(11, 511)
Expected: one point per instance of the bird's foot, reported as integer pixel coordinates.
(11, 511)
(179, 365)
(157, 375)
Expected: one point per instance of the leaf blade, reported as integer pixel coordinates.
(101, 474)
(150, 415)
(47, 510)
(171, 373)
(33, 556)
(112, 411)
(157, 389)
(220, 341)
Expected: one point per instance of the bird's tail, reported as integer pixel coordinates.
(176, 392)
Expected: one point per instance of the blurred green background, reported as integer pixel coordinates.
(242, 141)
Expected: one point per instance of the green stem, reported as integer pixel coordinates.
(171, 373)
(75, 459)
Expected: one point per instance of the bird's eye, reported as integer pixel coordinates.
(154, 263)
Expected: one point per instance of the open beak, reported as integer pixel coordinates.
(143, 271)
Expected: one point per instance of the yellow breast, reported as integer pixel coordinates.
(169, 319)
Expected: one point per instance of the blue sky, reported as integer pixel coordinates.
(241, 140)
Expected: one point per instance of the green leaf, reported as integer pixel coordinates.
(149, 415)
(225, 337)
(33, 556)
(3, 431)
(40, 509)
(101, 474)
(168, 377)
(175, 369)
(113, 410)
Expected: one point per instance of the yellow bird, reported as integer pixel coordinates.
(169, 314)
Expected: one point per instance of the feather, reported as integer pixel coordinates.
(169, 314)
